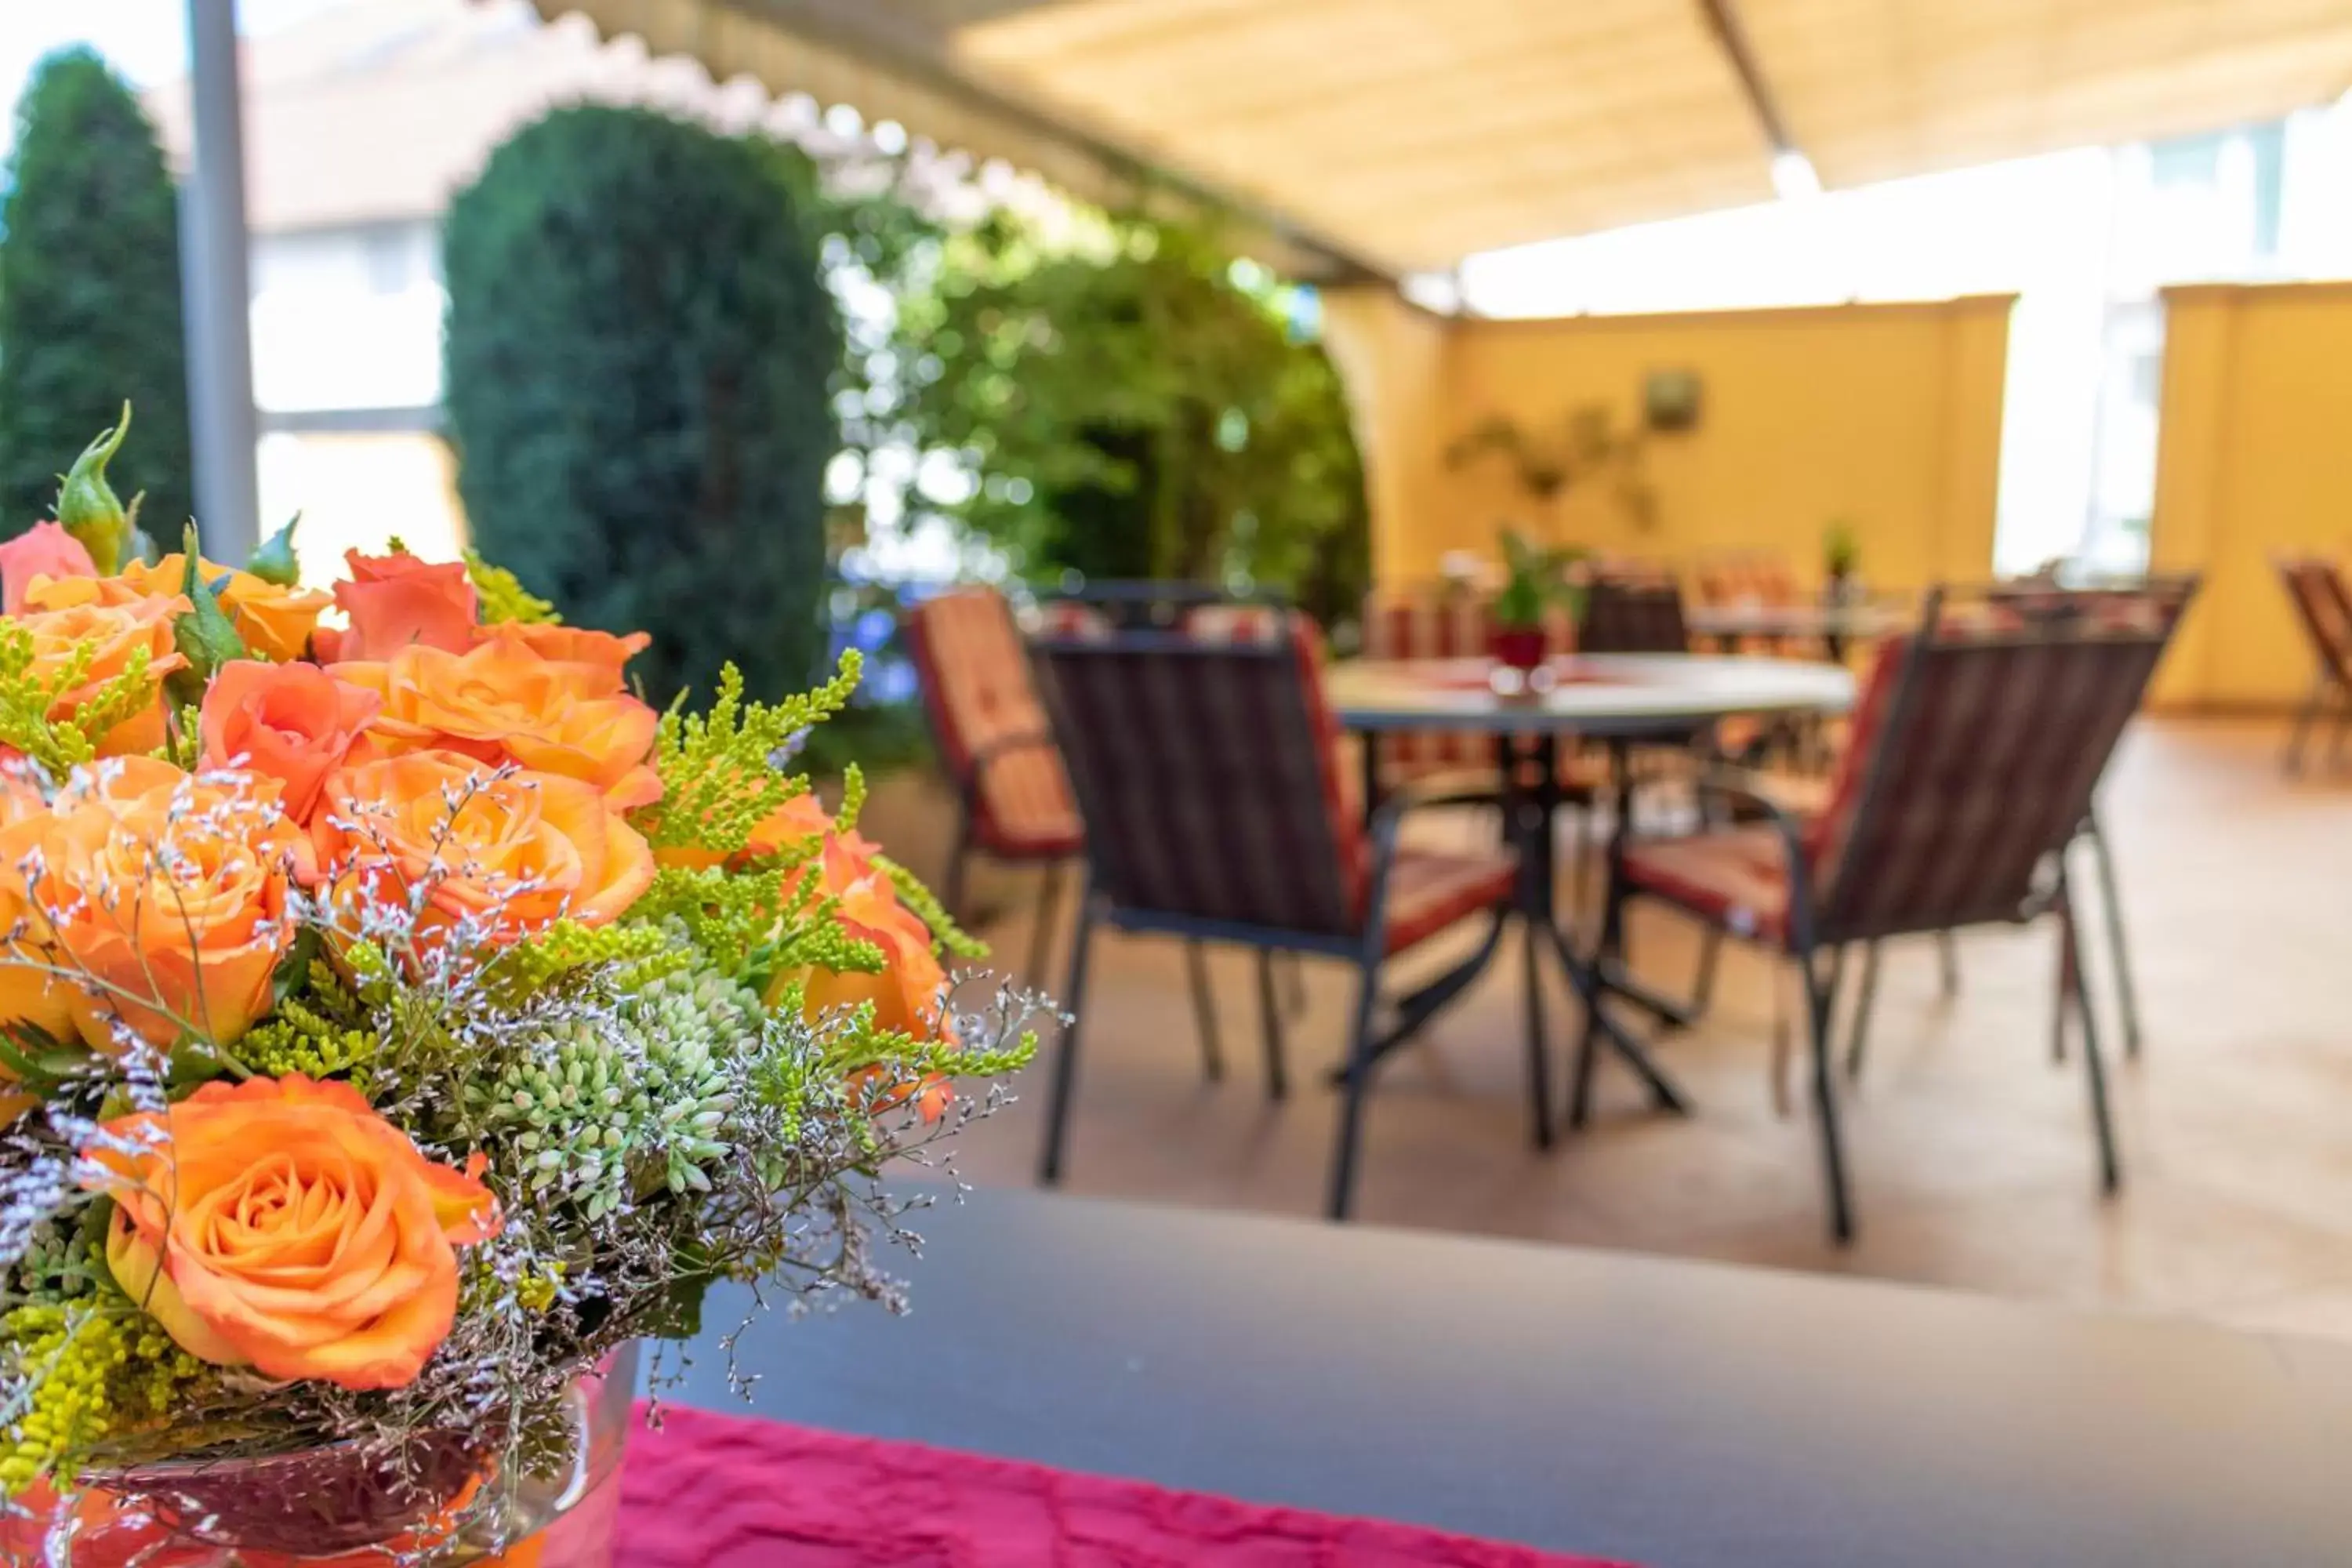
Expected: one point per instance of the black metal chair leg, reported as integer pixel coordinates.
(1353, 1091)
(1205, 1011)
(1579, 868)
(1278, 1076)
(2069, 974)
(1066, 1046)
(1588, 1039)
(1947, 956)
(2305, 716)
(1820, 998)
(1041, 933)
(1539, 1052)
(2102, 1121)
(2127, 990)
(1710, 951)
(1864, 1000)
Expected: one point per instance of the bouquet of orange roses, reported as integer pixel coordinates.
(398, 1017)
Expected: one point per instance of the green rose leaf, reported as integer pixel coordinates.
(205, 634)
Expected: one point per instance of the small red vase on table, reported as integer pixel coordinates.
(1521, 649)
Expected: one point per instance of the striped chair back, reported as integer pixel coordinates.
(1631, 613)
(977, 695)
(1205, 770)
(1135, 605)
(1977, 743)
(2324, 606)
(1439, 621)
(1748, 577)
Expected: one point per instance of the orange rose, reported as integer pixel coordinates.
(502, 702)
(275, 622)
(44, 550)
(906, 994)
(510, 851)
(594, 661)
(291, 722)
(397, 601)
(166, 896)
(68, 614)
(283, 1225)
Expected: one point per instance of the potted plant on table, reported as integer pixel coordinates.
(399, 1021)
(1537, 578)
(1841, 555)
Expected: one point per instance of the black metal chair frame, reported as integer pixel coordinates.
(1365, 950)
(2331, 682)
(1161, 605)
(1819, 948)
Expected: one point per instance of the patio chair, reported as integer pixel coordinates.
(1099, 608)
(2324, 606)
(1629, 611)
(1732, 579)
(1207, 773)
(2156, 603)
(1013, 801)
(1976, 744)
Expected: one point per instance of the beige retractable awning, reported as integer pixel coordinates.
(1391, 136)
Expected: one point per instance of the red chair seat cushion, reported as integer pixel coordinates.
(1735, 876)
(1431, 890)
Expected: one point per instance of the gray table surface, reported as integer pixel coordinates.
(1596, 694)
(1679, 1414)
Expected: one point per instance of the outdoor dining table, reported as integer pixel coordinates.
(1833, 626)
(1654, 1411)
(1616, 699)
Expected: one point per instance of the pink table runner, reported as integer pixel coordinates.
(723, 1491)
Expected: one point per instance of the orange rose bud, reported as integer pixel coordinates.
(64, 613)
(515, 851)
(502, 702)
(396, 602)
(44, 550)
(291, 722)
(283, 1225)
(170, 893)
(275, 623)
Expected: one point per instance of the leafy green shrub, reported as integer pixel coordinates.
(89, 296)
(638, 350)
(1141, 408)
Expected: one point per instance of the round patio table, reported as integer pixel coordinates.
(1615, 698)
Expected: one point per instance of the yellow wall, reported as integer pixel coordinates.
(1887, 414)
(2255, 426)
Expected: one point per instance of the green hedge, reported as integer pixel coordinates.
(90, 297)
(639, 344)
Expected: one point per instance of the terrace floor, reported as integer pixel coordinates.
(1971, 1153)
